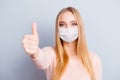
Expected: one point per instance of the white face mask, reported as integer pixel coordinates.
(68, 34)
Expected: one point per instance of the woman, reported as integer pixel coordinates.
(69, 59)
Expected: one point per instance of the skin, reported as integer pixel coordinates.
(31, 41)
(68, 20)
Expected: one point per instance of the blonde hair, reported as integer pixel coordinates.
(82, 51)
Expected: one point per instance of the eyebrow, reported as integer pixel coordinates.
(62, 22)
(74, 21)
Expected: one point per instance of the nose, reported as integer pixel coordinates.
(69, 30)
(69, 25)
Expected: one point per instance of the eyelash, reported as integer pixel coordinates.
(61, 25)
(74, 24)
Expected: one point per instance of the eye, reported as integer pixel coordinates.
(74, 24)
(61, 25)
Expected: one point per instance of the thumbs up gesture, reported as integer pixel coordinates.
(31, 41)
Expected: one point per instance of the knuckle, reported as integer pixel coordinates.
(34, 51)
(32, 37)
(27, 51)
(31, 43)
(23, 41)
(34, 42)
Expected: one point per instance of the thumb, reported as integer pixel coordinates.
(34, 29)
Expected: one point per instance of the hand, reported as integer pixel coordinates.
(31, 41)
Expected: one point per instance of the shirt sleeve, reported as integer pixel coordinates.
(46, 58)
(97, 66)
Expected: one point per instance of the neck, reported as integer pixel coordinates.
(71, 48)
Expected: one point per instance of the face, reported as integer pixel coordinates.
(68, 30)
(67, 20)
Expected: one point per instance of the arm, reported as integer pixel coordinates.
(44, 58)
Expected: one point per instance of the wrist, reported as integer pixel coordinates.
(35, 56)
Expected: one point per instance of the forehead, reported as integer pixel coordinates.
(67, 16)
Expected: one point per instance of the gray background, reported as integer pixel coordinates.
(102, 27)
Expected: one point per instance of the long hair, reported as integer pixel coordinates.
(82, 51)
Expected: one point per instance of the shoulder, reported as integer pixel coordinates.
(97, 66)
(95, 58)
